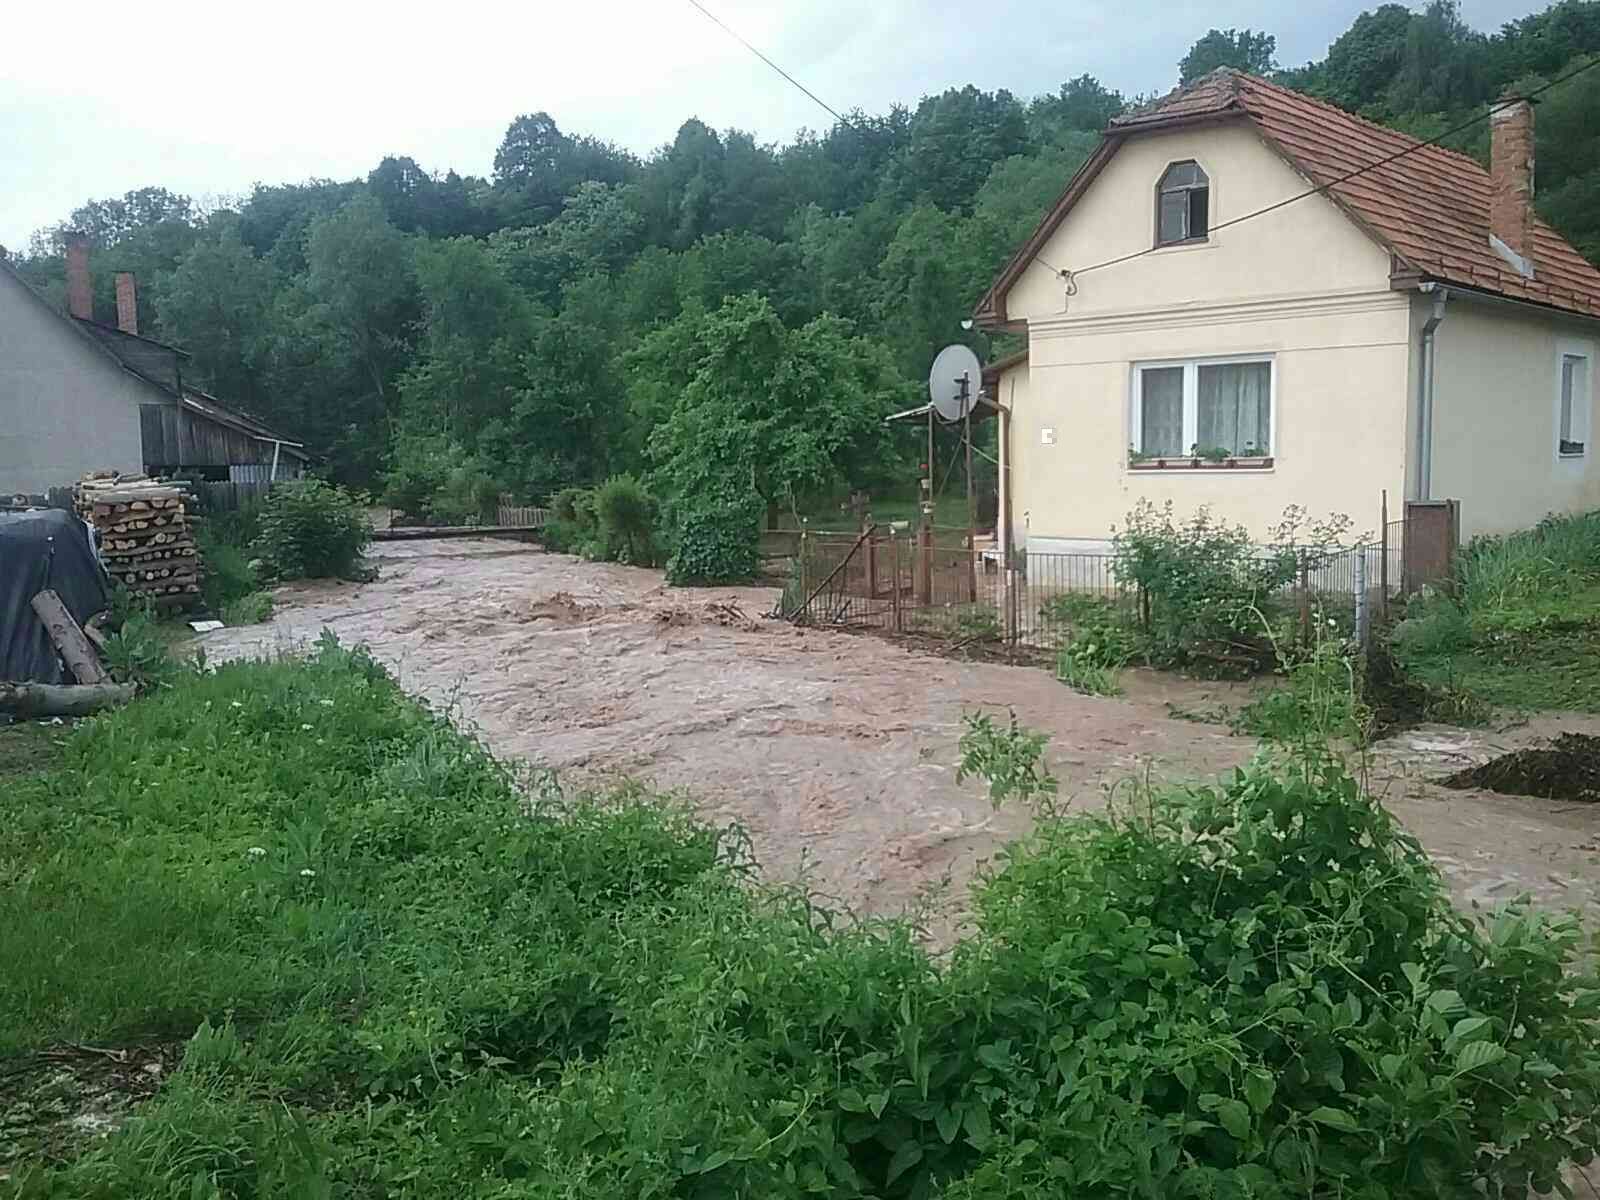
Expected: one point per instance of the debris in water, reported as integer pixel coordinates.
(1567, 769)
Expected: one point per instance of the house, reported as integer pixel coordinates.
(78, 396)
(1415, 329)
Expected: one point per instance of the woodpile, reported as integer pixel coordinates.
(146, 534)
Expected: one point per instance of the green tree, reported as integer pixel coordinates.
(217, 305)
(782, 412)
(1243, 49)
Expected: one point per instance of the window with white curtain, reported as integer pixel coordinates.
(1210, 408)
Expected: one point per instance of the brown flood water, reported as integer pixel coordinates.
(836, 751)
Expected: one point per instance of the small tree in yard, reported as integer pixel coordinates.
(780, 411)
(311, 530)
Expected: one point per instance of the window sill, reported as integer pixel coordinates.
(1572, 455)
(1186, 244)
(1256, 463)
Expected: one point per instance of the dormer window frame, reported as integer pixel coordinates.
(1195, 191)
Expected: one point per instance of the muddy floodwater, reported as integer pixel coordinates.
(837, 751)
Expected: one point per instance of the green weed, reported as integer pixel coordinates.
(249, 609)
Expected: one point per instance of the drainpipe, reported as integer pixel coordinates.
(1425, 389)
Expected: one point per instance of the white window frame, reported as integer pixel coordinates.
(1191, 397)
(1585, 351)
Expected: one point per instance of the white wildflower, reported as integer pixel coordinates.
(304, 727)
(325, 703)
(307, 873)
(236, 704)
(256, 852)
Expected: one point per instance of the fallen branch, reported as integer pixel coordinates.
(62, 699)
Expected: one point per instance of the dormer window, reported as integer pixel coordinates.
(1183, 204)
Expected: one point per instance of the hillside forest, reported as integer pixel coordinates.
(723, 316)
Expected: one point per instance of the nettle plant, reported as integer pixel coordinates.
(1261, 989)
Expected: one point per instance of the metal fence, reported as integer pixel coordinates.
(923, 582)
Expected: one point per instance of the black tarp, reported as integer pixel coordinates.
(45, 549)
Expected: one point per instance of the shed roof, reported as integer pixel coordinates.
(1429, 209)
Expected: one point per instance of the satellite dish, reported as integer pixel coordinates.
(944, 381)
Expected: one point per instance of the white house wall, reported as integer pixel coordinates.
(1496, 400)
(1303, 285)
(65, 408)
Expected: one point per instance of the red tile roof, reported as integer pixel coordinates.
(1429, 209)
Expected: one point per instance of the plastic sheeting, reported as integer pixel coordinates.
(38, 550)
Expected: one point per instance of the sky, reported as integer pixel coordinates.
(208, 98)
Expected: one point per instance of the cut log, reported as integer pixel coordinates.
(62, 699)
(68, 637)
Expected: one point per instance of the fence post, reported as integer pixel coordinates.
(895, 586)
(1305, 601)
(1362, 616)
(1383, 562)
(925, 562)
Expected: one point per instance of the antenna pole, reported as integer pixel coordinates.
(972, 510)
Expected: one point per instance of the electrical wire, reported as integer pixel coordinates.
(1070, 276)
(721, 24)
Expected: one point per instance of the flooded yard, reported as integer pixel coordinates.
(837, 751)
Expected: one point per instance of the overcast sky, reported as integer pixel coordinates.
(208, 98)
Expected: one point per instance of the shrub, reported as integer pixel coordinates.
(626, 515)
(311, 530)
(1262, 989)
(718, 541)
(227, 573)
(249, 609)
(1321, 699)
(572, 521)
(1208, 594)
(1097, 642)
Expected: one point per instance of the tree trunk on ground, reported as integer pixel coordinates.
(62, 699)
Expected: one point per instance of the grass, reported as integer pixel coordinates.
(29, 746)
(376, 963)
(1521, 627)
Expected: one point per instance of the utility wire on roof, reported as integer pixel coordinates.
(1071, 276)
(721, 24)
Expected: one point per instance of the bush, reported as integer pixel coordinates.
(626, 515)
(1322, 699)
(1262, 989)
(311, 530)
(1097, 642)
(226, 571)
(718, 541)
(1208, 594)
(250, 609)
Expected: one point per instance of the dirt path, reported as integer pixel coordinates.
(836, 751)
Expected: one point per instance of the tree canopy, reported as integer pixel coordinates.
(723, 306)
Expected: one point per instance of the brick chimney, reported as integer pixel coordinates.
(1511, 179)
(80, 296)
(127, 303)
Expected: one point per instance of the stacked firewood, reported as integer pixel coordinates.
(146, 537)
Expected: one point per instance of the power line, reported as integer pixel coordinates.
(1071, 276)
(721, 24)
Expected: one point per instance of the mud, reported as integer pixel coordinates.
(1567, 769)
(837, 751)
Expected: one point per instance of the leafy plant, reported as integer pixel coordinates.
(718, 541)
(311, 530)
(1097, 642)
(1011, 760)
(249, 609)
(1203, 584)
(626, 515)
